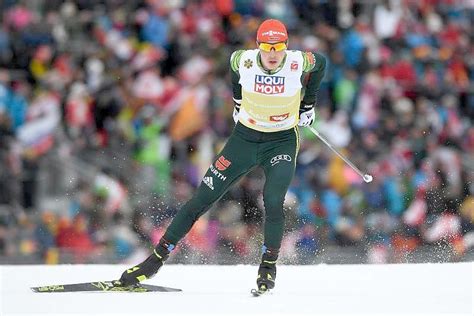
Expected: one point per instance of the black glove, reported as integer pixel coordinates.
(307, 114)
(304, 107)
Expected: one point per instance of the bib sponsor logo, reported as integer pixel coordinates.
(269, 84)
(209, 182)
(279, 118)
(222, 163)
(294, 66)
(278, 158)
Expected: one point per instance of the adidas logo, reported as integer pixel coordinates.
(209, 182)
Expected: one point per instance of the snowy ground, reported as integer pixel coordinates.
(408, 289)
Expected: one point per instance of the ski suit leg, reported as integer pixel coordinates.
(279, 165)
(235, 160)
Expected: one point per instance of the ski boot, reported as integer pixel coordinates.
(267, 271)
(148, 268)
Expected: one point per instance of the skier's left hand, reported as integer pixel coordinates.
(307, 118)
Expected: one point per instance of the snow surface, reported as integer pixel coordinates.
(404, 289)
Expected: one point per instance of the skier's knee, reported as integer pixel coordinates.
(274, 215)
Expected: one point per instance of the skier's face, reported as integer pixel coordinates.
(272, 54)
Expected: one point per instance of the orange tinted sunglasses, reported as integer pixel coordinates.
(267, 47)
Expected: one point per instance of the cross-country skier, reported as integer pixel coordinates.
(267, 90)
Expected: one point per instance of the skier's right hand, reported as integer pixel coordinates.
(235, 115)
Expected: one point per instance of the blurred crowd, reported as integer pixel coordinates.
(113, 110)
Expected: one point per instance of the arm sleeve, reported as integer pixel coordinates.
(314, 66)
(235, 77)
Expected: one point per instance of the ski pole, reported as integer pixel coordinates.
(366, 177)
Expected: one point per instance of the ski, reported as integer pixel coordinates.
(102, 286)
(259, 292)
